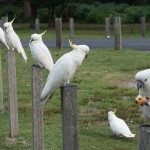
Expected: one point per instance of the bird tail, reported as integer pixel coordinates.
(24, 56)
(130, 135)
(44, 99)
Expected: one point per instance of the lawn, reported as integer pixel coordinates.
(105, 82)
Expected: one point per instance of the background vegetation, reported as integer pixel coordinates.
(83, 11)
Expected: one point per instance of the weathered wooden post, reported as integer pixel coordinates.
(37, 25)
(107, 27)
(2, 21)
(1, 88)
(143, 26)
(58, 31)
(12, 93)
(69, 117)
(117, 31)
(144, 136)
(71, 26)
(37, 110)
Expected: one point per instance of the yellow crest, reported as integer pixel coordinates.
(72, 45)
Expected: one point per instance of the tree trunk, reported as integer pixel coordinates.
(33, 14)
(27, 8)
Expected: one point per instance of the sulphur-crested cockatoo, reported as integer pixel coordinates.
(143, 85)
(13, 40)
(118, 126)
(64, 69)
(2, 38)
(40, 52)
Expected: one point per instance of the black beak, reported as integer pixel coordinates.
(31, 40)
(86, 56)
(147, 104)
(4, 28)
(140, 84)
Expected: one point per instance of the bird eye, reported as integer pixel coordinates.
(145, 80)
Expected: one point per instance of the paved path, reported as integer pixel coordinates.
(137, 44)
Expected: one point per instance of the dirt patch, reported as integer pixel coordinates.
(128, 84)
(10, 141)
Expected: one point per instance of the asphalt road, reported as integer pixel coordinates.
(136, 44)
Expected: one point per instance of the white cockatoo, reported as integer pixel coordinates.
(13, 40)
(143, 85)
(64, 69)
(118, 126)
(40, 52)
(2, 38)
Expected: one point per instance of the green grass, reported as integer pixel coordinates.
(105, 82)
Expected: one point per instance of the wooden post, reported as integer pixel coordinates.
(144, 135)
(58, 30)
(107, 27)
(1, 89)
(69, 117)
(37, 25)
(12, 93)
(117, 29)
(143, 26)
(2, 21)
(37, 110)
(71, 26)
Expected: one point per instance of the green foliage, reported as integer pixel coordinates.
(11, 11)
(97, 13)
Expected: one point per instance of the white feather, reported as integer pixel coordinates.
(63, 70)
(144, 77)
(40, 52)
(13, 40)
(2, 38)
(118, 126)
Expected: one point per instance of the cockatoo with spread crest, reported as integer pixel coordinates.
(64, 70)
(40, 52)
(118, 126)
(13, 40)
(143, 85)
(2, 38)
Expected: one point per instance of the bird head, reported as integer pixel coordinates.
(111, 114)
(143, 82)
(7, 27)
(142, 100)
(35, 38)
(84, 48)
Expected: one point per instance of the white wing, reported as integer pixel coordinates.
(42, 55)
(14, 43)
(2, 38)
(119, 127)
(57, 77)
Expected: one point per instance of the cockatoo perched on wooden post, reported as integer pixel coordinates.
(13, 40)
(143, 85)
(40, 52)
(2, 38)
(118, 126)
(63, 70)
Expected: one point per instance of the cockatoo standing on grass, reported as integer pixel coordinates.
(64, 70)
(118, 126)
(40, 52)
(13, 40)
(143, 85)
(2, 38)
